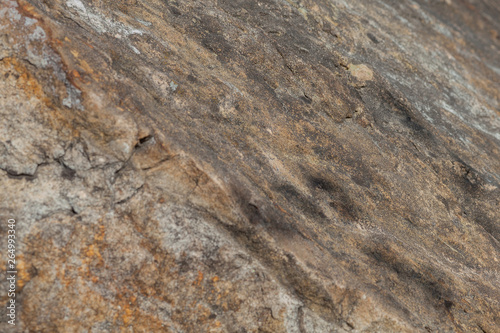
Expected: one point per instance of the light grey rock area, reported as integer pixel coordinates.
(251, 166)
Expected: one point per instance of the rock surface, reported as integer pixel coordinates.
(251, 166)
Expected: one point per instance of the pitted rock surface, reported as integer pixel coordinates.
(251, 166)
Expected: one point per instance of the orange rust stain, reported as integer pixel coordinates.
(86, 66)
(199, 279)
(93, 251)
(127, 304)
(23, 274)
(128, 315)
(75, 74)
(215, 279)
(26, 82)
(28, 10)
(281, 209)
(31, 87)
(100, 235)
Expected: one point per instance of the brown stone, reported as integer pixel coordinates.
(251, 166)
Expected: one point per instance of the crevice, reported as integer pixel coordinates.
(73, 210)
(67, 172)
(27, 176)
(130, 196)
(196, 185)
(159, 163)
(300, 319)
(143, 141)
(481, 328)
(306, 99)
(14, 175)
(284, 60)
(123, 166)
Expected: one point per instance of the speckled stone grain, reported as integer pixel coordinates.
(251, 166)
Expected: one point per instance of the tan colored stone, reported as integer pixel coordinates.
(223, 166)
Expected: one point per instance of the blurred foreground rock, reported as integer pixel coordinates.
(251, 166)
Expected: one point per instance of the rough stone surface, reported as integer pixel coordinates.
(251, 166)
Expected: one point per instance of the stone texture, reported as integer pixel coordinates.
(252, 166)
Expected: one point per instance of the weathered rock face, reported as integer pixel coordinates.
(251, 166)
